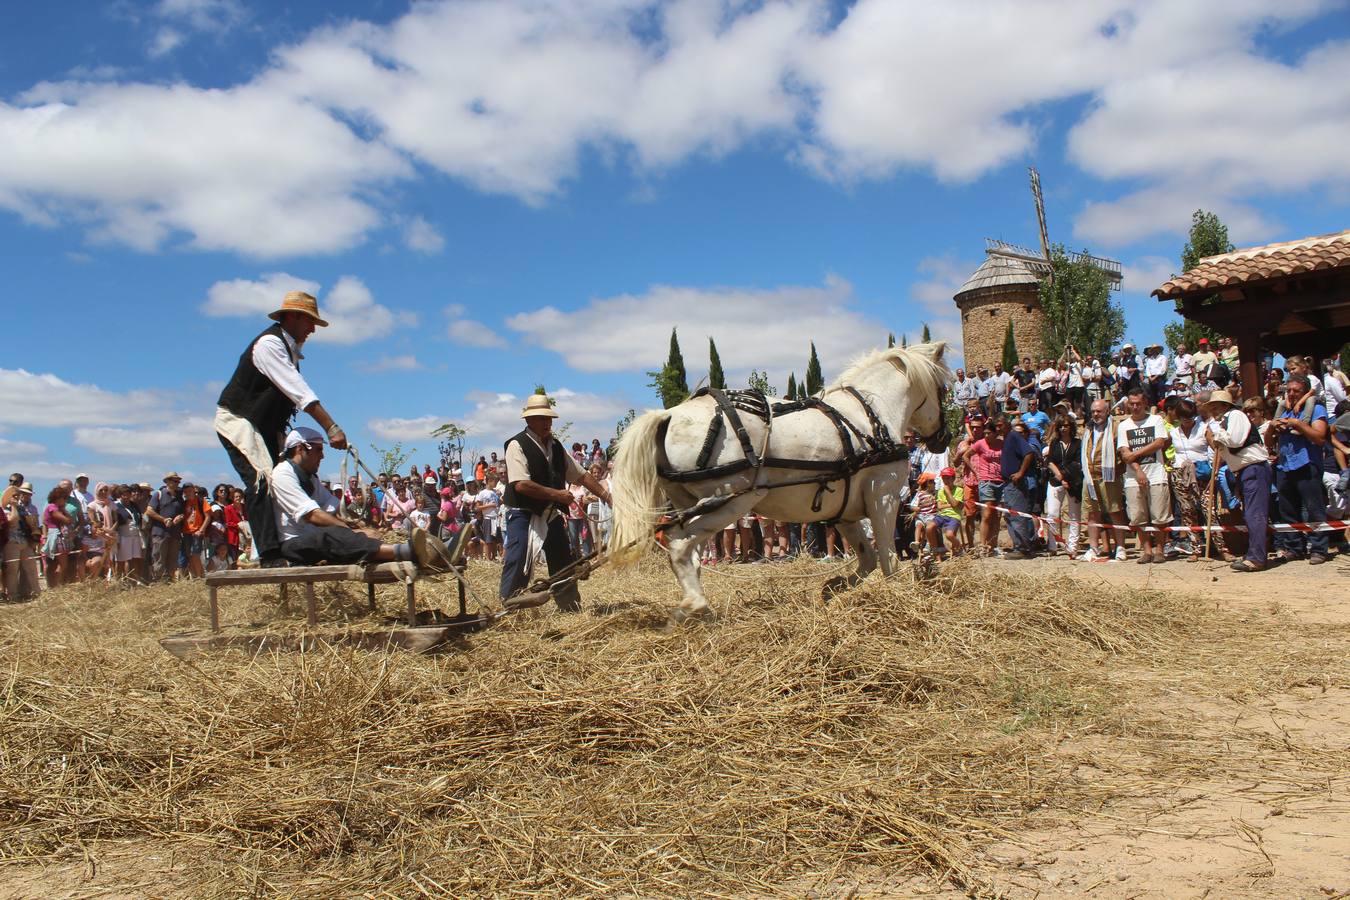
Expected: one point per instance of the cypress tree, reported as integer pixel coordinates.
(890, 340)
(815, 381)
(1009, 349)
(792, 386)
(927, 336)
(716, 377)
(670, 381)
(904, 340)
(676, 364)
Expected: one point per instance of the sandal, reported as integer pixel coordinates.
(1246, 565)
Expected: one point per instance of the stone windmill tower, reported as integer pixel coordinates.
(1006, 288)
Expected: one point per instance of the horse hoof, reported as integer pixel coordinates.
(704, 616)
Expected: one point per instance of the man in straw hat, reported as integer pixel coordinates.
(20, 552)
(538, 470)
(257, 405)
(1240, 445)
(307, 520)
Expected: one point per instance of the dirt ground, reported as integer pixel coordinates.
(1276, 824)
(1261, 835)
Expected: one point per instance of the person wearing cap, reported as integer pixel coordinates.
(538, 471)
(257, 405)
(950, 504)
(307, 521)
(1203, 360)
(166, 512)
(21, 543)
(1240, 444)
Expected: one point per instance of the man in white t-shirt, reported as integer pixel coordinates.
(1185, 370)
(1140, 440)
(486, 504)
(999, 385)
(1155, 373)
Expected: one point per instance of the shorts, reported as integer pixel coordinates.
(1148, 504)
(1109, 499)
(991, 492)
(947, 523)
(927, 518)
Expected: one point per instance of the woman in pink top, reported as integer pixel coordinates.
(398, 505)
(985, 456)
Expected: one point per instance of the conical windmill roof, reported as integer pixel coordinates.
(999, 272)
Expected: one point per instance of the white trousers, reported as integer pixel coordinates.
(1059, 503)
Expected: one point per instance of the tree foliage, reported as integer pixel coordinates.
(1009, 348)
(927, 335)
(792, 386)
(393, 459)
(1208, 237)
(759, 381)
(890, 340)
(716, 377)
(451, 445)
(815, 381)
(670, 381)
(1095, 321)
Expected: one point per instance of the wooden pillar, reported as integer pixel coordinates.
(311, 605)
(370, 596)
(215, 608)
(285, 600)
(1249, 361)
(412, 604)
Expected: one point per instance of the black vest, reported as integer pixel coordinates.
(251, 395)
(550, 473)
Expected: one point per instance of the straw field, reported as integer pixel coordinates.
(793, 745)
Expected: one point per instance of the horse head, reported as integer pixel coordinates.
(926, 372)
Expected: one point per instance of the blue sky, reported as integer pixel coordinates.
(489, 195)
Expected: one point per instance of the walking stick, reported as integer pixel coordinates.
(1209, 510)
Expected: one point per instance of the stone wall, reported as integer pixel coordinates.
(984, 322)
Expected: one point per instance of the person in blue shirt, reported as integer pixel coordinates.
(1035, 418)
(1297, 435)
(1019, 487)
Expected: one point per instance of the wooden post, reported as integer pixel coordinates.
(370, 596)
(311, 605)
(1249, 362)
(412, 604)
(463, 610)
(215, 608)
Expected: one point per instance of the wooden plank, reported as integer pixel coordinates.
(379, 574)
(412, 604)
(311, 606)
(425, 639)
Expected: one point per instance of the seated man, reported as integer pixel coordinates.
(311, 532)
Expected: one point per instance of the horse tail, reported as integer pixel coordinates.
(636, 489)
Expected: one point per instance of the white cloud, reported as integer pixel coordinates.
(470, 333)
(760, 329)
(248, 168)
(507, 96)
(165, 41)
(44, 400)
(403, 363)
(163, 442)
(349, 308)
(1147, 273)
(943, 277)
(14, 449)
(422, 236)
(396, 429)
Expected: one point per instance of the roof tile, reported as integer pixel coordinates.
(1311, 254)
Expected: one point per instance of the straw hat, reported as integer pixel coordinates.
(299, 301)
(1220, 397)
(538, 405)
(172, 476)
(26, 488)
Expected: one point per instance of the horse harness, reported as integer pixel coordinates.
(860, 449)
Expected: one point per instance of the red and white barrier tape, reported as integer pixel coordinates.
(1302, 527)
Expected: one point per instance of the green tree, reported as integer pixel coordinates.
(716, 377)
(759, 381)
(670, 381)
(904, 341)
(927, 335)
(393, 459)
(451, 445)
(1208, 237)
(619, 428)
(792, 386)
(1009, 349)
(1095, 322)
(890, 340)
(815, 381)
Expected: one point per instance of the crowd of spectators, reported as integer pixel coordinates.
(1076, 456)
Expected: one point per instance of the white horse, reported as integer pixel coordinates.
(658, 460)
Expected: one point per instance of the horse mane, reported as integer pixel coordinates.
(920, 369)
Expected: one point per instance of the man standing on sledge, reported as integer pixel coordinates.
(257, 405)
(538, 470)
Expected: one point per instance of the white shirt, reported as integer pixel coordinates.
(964, 390)
(1131, 435)
(293, 504)
(274, 359)
(1334, 391)
(1190, 448)
(1075, 375)
(1155, 365)
(1184, 364)
(998, 385)
(493, 500)
(1231, 430)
